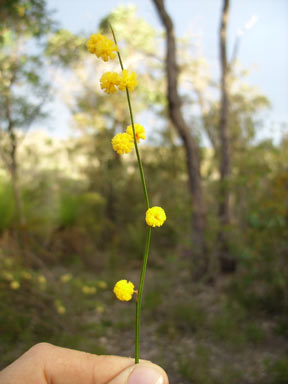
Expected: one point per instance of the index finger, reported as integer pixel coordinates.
(46, 364)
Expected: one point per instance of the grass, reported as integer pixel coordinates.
(209, 334)
(277, 371)
(197, 368)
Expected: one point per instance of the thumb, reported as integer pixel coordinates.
(142, 373)
(46, 363)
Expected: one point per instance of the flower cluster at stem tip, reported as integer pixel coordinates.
(102, 47)
(110, 82)
(124, 290)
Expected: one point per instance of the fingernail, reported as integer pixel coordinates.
(143, 374)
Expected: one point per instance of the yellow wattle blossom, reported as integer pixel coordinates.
(14, 285)
(128, 80)
(122, 143)
(87, 290)
(59, 307)
(100, 308)
(139, 132)
(42, 279)
(124, 290)
(155, 216)
(66, 277)
(102, 284)
(109, 82)
(101, 46)
(26, 275)
(61, 310)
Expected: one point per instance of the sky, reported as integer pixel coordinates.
(263, 47)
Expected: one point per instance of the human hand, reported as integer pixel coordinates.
(47, 364)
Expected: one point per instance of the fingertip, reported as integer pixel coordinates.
(142, 373)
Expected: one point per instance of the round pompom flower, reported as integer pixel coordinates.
(155, 216)
(124, 290)
(14, 285)
(109, 81)
(102, 47)
(122, 143)
(139, 132)
(128, 80)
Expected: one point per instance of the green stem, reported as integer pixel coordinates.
(137, 152)
(140, 292)
(148, 233)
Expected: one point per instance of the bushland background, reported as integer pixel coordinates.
(72, 211)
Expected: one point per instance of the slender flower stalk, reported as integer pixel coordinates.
(133, 128)
(122, 143)
(148, 232)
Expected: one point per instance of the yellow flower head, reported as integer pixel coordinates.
(14, 285)
(42, 279)
(26, 275)
(128, 80)
(122, 143)
(59, 307)
(87, 290)
(109, 81)
(139, 132)
(66, 277)
(102, 47)
(102, 284)
(100, 308)
(124, 290)
(155, 216)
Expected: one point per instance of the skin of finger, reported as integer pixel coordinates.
(28, 368)
(123, 377)
(46, 364)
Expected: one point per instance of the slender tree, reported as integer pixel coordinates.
(227, 263)
(23, 91)
(189, 142)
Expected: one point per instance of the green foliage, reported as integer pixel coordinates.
(263, 256)
(23, 89)
(153, 300)
(254, 333)
(225, 324)
(7, 212)
(188, 316)
(25, 17)
(35, 307)
(135, 31)
(197, 368)
(79, 209)
(184, 317)
(277, 371)
(65, 48)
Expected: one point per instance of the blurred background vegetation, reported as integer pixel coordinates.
(71, 210)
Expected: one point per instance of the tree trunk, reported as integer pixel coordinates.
(14, 180)
(227, 263)
(190, 144)
(13, 166)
